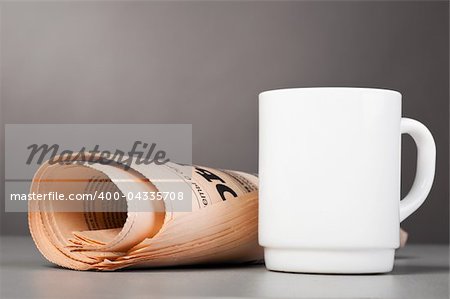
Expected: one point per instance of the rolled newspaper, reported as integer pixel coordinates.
(220, 228)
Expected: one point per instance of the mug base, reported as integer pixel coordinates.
(337, 261)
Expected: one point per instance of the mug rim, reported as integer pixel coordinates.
(281, 91)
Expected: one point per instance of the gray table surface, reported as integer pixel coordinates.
(421, 271)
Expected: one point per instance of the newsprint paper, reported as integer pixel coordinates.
(220, 225)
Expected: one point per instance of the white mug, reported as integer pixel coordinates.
(329, 166)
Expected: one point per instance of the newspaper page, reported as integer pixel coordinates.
(221, 226)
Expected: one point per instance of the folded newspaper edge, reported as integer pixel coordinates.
(220, 228)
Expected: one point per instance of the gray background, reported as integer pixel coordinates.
(205, 62)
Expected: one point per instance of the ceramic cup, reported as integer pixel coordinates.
(329, 165)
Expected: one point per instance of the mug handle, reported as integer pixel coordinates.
(426, 163)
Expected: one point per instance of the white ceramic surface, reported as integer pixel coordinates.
(329, 166)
